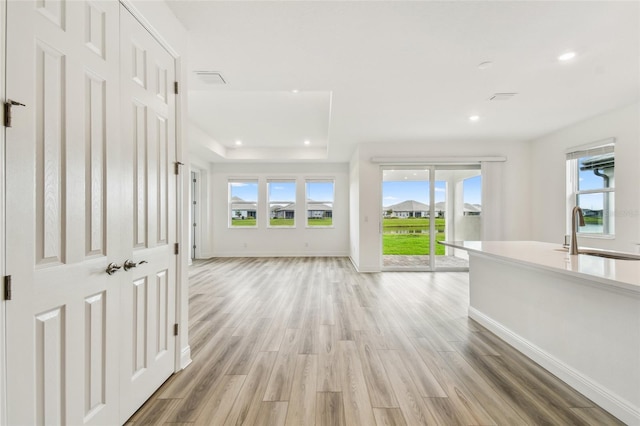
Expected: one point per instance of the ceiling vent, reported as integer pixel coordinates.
(210, 77)
(502, 96)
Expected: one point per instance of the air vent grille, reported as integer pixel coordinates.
(502, 96)
(210, 77)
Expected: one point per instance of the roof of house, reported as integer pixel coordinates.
(238, 203)
(416, 206)
(311, 205)
(409, 206)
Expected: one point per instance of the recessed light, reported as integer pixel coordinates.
(567, 56)
(295, 91)
(307, 142)
(474, 117)
(238, 142)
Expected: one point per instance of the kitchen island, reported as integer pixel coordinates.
(577, 316)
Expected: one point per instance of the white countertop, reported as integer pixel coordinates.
(619, 273)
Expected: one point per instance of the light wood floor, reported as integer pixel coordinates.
(310, 341)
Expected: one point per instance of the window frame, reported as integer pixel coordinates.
(230, 183)
(269, 202)
(307, 181)
(573, 157)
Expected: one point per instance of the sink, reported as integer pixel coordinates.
(606, 254)
(610, 255)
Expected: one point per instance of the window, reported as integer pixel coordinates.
(282, 203)
(243, 203)
(319, 203)
(592, 187)
(472, 196)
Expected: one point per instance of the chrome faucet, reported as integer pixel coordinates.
(575, 213)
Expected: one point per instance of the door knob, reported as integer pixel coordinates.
(129, 264)
(112, 268)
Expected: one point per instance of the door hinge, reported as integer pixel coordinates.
(176, 248)
(8, 105)
(175, 329)
(177, 167)
(7, 287)
(175, 87)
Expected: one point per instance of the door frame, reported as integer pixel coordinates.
(429, 267)
(433, 167)
(3, 84)
(194, 214)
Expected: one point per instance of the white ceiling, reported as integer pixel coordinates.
(395, 71)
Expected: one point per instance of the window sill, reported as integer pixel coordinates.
(597, 237)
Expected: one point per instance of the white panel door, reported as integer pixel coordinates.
(64, 190)
(148, 296)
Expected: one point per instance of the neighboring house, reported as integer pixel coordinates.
(409, 208)
(319, 210)
(472, 209)
(283, 212)
(241, 209)
(315, 211)
(412, 208)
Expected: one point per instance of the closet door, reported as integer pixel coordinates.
(148, 295)
(64, 212)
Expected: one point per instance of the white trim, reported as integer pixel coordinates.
(591, 145)
(185, 357)
(3, 242)
(128, 4)
(619, 407)
(364, 269)
(282, 254)
(434, 160)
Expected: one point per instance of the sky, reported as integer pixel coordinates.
(588, 180)
(283, 191)
(395, 192)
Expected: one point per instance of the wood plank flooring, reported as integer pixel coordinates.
(284, 341)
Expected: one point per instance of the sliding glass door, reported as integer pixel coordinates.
(406, 242)
(424, 205)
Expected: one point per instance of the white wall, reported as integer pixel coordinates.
(514, 223)
(548, 191)
(263, 241)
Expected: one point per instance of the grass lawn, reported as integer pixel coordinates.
(243, 222)
(411, 222)
(281, 222)
(325, 221)
(410, 244)
(593, 220)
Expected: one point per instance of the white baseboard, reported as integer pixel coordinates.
(286, 254)
(185, 357)
(619, 407)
